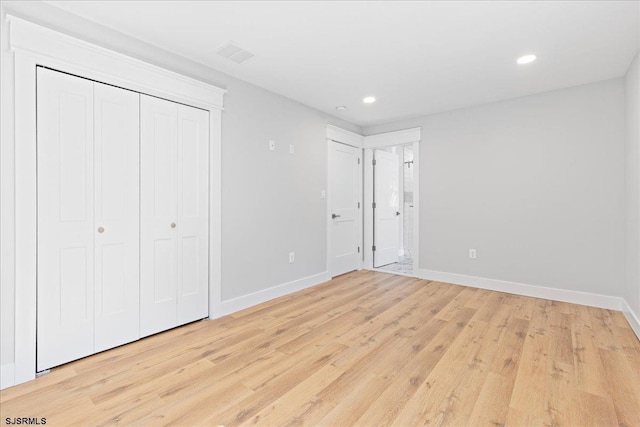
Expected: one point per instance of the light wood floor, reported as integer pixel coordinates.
(364, 349)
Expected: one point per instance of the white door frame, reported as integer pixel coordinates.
(34, 45)
(389, 139)
(346, 137)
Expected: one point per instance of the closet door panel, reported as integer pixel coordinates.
(193, 213)
(158, 214)
(65, 239)
(117, 189)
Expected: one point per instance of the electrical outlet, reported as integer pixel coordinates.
(292, 149)
(272, 145)
(472, 253)
(292, 257)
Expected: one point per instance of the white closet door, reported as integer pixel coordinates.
(158, 214)
(66, 232)
(193, 214)
(116, 160)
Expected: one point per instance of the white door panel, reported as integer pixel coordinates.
(174, 214)
(158, 214)
(65, 320)
(193, 214)
(386, 214)
(116, 145)
(344, 172)
(122, 216)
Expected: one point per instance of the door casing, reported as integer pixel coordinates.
(411, 137)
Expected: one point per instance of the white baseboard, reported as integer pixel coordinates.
(632, 318)
(245, 301)
(575, 297)
(7, 375)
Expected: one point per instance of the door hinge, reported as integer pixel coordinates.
(373, 248)
(358, 249)
(373, 162)
(373, 205)
(358, 160)
(358, 205)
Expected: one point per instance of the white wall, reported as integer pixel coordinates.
(534, 184)
(271, 201)
(632, 189)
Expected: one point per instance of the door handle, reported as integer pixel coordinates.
(397, 213)
(100, 229)
(334, 216)
(173, 225)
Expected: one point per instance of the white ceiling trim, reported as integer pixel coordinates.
(389, 139)
(344, 136)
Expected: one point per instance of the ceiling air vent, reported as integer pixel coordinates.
(234, 53)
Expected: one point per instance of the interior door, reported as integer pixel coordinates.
(192, 225)
(158, 214)
(344, 187)
(386, 197)
(66, 233)
(117, 189)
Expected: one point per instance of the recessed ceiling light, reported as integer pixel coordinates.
(369, 100)
(341, 108)
(526, 59)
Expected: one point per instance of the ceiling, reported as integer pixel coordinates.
(415, 57)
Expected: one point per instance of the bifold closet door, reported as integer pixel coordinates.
(174, 215)
(158, 214)
(65, 219)
(88, 232)
(117, 216)
(193, 214)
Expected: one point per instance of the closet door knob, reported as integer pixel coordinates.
(100, 229)
(173, 225)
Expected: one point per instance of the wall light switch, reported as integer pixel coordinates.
(272, 145)
(291, 149)
(323, 194)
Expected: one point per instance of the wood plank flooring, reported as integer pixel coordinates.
(365, 349)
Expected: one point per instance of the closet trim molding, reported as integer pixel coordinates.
(34, 45)
(76, 56)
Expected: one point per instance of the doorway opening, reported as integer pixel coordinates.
(393, 217)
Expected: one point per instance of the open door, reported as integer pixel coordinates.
(386, 214)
